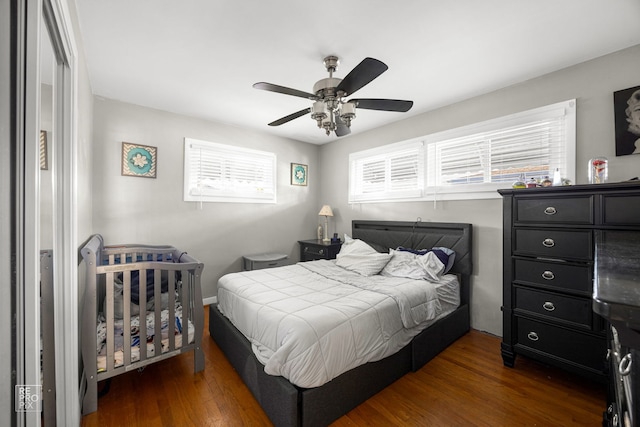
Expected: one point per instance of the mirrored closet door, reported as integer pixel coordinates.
(46, 346)
(46, 173)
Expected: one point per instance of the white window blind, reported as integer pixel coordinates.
(472, 161)
(225, 173)
(532, 150)
(393, 172)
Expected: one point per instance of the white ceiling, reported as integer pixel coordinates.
(201, 57)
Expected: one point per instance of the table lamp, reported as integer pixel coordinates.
(326, 212)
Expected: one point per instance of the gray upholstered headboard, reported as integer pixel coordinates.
(383, 235)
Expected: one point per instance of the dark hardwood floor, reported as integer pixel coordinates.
(466, 385)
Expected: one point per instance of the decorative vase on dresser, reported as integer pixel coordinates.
(548, 271)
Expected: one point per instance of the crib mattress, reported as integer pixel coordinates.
(310, 322)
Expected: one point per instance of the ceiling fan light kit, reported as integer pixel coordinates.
(330, 110)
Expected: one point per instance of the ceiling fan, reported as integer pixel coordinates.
(329, 109)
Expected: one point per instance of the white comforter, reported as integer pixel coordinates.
(312, 321)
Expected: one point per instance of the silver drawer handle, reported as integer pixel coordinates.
(321, 251)
(548, 243)
(532, 336)
(548, 305)
(625, 365)
(548, 275)
(550, 210)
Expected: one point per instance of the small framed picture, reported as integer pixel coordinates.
(44, 157)
(139, 160)
(299, 174)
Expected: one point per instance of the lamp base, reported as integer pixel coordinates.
(326, 230)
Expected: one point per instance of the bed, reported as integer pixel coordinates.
(130, 291)
(287, 404)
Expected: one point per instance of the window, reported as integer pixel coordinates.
(388, 173)
(472, 161)
(225, 173)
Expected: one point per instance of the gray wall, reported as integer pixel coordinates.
(85, 140)
(591, 83)
(143, 210)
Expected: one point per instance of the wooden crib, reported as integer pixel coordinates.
(122, 286)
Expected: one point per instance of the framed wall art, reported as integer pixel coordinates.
(44, 156)
(626, 107)
(139, 160)
(299, 174)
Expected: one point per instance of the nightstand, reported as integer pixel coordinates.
(317, 249)
(258, 262)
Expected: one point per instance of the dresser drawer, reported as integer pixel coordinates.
(621, 209)
(316, 252)
(569, 345)
(565, 244)
(572, 210)
(565, 277)
(574, 310)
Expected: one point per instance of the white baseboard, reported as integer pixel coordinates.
(209, 301)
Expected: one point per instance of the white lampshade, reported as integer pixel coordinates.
(318, 110)
(326, 211)
(348, 111)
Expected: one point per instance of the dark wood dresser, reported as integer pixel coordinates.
(548, 271)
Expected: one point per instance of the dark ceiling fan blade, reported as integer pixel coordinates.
(290, 117)
(341, 127)
(285, 90)
(383, 104)
(363, 74)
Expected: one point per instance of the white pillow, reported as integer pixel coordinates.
(356, 255)
(356, 246)
(347, 239)
(413, 266)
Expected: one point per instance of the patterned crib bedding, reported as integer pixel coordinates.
(166, 327)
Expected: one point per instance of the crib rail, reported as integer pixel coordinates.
(158, 271)
(47, 333)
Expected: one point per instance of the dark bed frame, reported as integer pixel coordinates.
(288, 405)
